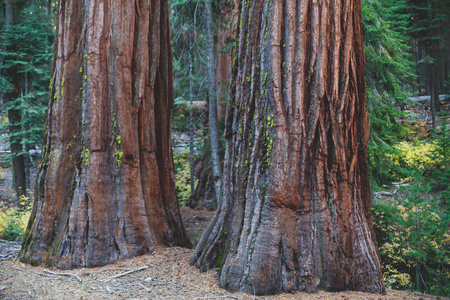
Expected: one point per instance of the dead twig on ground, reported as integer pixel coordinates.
(125, 273)
(47, 275)
(384, 193)
(46, 272)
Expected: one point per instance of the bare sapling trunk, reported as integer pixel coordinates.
(294, 212)
(105, 190)
(191, 122)
(213, 123)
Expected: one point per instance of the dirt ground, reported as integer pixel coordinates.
(164, 275)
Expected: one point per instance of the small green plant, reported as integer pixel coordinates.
(14, 220)
(182, 176)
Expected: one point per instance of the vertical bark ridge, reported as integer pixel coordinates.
(295, 207)
(105, 189)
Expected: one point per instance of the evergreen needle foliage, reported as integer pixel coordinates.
(389, 72)
(31, 37)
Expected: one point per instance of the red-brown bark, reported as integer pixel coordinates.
(295, 207)
(226, 36)
(105, 189)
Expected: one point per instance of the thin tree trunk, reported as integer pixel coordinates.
(106, 186)
(191, 122)
(9, 12)
(204, 193)
(295, 207)
(434, 99)
(417, 56)
(434, 74)
(18, 159)
(213, 124)
(27, 137)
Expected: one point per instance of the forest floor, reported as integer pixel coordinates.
(166, 274)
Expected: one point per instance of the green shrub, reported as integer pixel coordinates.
(441, 175)
(414, 240)
(13, 221)
(416, 155)
(182, 176)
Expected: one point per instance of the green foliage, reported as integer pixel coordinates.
(27, 53)
(414, 240)
(182, 176)
(430, 157)
(13, 220)
(413, 229)
(180, 116)
(388, 76)
(429, 26)
(388, 65)
(441, 153)
(416, 155)
(188, 39)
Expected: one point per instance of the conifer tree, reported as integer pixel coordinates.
(389, 71)
(27, 39)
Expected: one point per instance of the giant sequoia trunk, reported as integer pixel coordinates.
(295, 205)
(105, 189)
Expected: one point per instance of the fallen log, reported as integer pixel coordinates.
(442, 98)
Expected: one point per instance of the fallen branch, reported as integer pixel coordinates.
(61, 274)
(48, 275)
(386, 193)
(125, 273)
(427, 98)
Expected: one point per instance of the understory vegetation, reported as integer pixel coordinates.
(14, 219)
(182, 176)
(412, 225)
